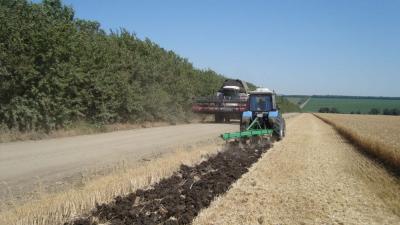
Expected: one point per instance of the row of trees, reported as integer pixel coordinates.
(373, 111)
(328, 110)
(394, 111)
(56, 69)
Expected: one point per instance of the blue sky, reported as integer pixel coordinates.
(295, 47)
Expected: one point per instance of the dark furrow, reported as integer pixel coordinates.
(179, 198)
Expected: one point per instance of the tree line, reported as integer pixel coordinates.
(373, 111)
(56, 69)
(353, 97)
(386, 111)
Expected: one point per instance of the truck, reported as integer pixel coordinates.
(228, 103)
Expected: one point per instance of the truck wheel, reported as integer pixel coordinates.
(219, 118)
(227, 119)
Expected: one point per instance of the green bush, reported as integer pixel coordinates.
(56, 69)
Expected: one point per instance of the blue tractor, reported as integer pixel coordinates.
(262, 117)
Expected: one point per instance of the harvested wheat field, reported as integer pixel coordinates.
(57, 208)
(313, 176)
(377, 134)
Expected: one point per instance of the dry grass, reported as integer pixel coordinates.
(313, 176)
(378, 135)
(59, 207)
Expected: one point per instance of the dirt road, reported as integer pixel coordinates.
(313, 176)
(27, 165)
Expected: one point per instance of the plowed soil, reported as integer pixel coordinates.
(179, 198)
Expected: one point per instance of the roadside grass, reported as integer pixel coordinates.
(287, 106)
(377, 135)
(56, 208)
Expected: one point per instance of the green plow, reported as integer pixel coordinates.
(246, 134)
(253, 130)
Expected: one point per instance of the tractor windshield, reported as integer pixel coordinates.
(261, 103)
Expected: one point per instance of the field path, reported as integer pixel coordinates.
(312, 177)
(25, 164)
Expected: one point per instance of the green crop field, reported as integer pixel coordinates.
(298, 100)
(348, 105)
(295, 100)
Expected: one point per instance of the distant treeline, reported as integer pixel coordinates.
(56, 69)
(373, 111)
(296, 96)
(344, 97)
(355, 97)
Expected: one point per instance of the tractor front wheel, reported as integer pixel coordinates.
(243, 124)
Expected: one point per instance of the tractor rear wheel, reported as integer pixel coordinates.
(281, 134)
(282, 131)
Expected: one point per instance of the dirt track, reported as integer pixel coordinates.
(25, 164)
(313, 176)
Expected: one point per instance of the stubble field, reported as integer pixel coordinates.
(378, 135)
(314, 176)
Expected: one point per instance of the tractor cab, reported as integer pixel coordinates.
(262, 100)
(263, 113)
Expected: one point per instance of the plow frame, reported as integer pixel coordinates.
(255, 129)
